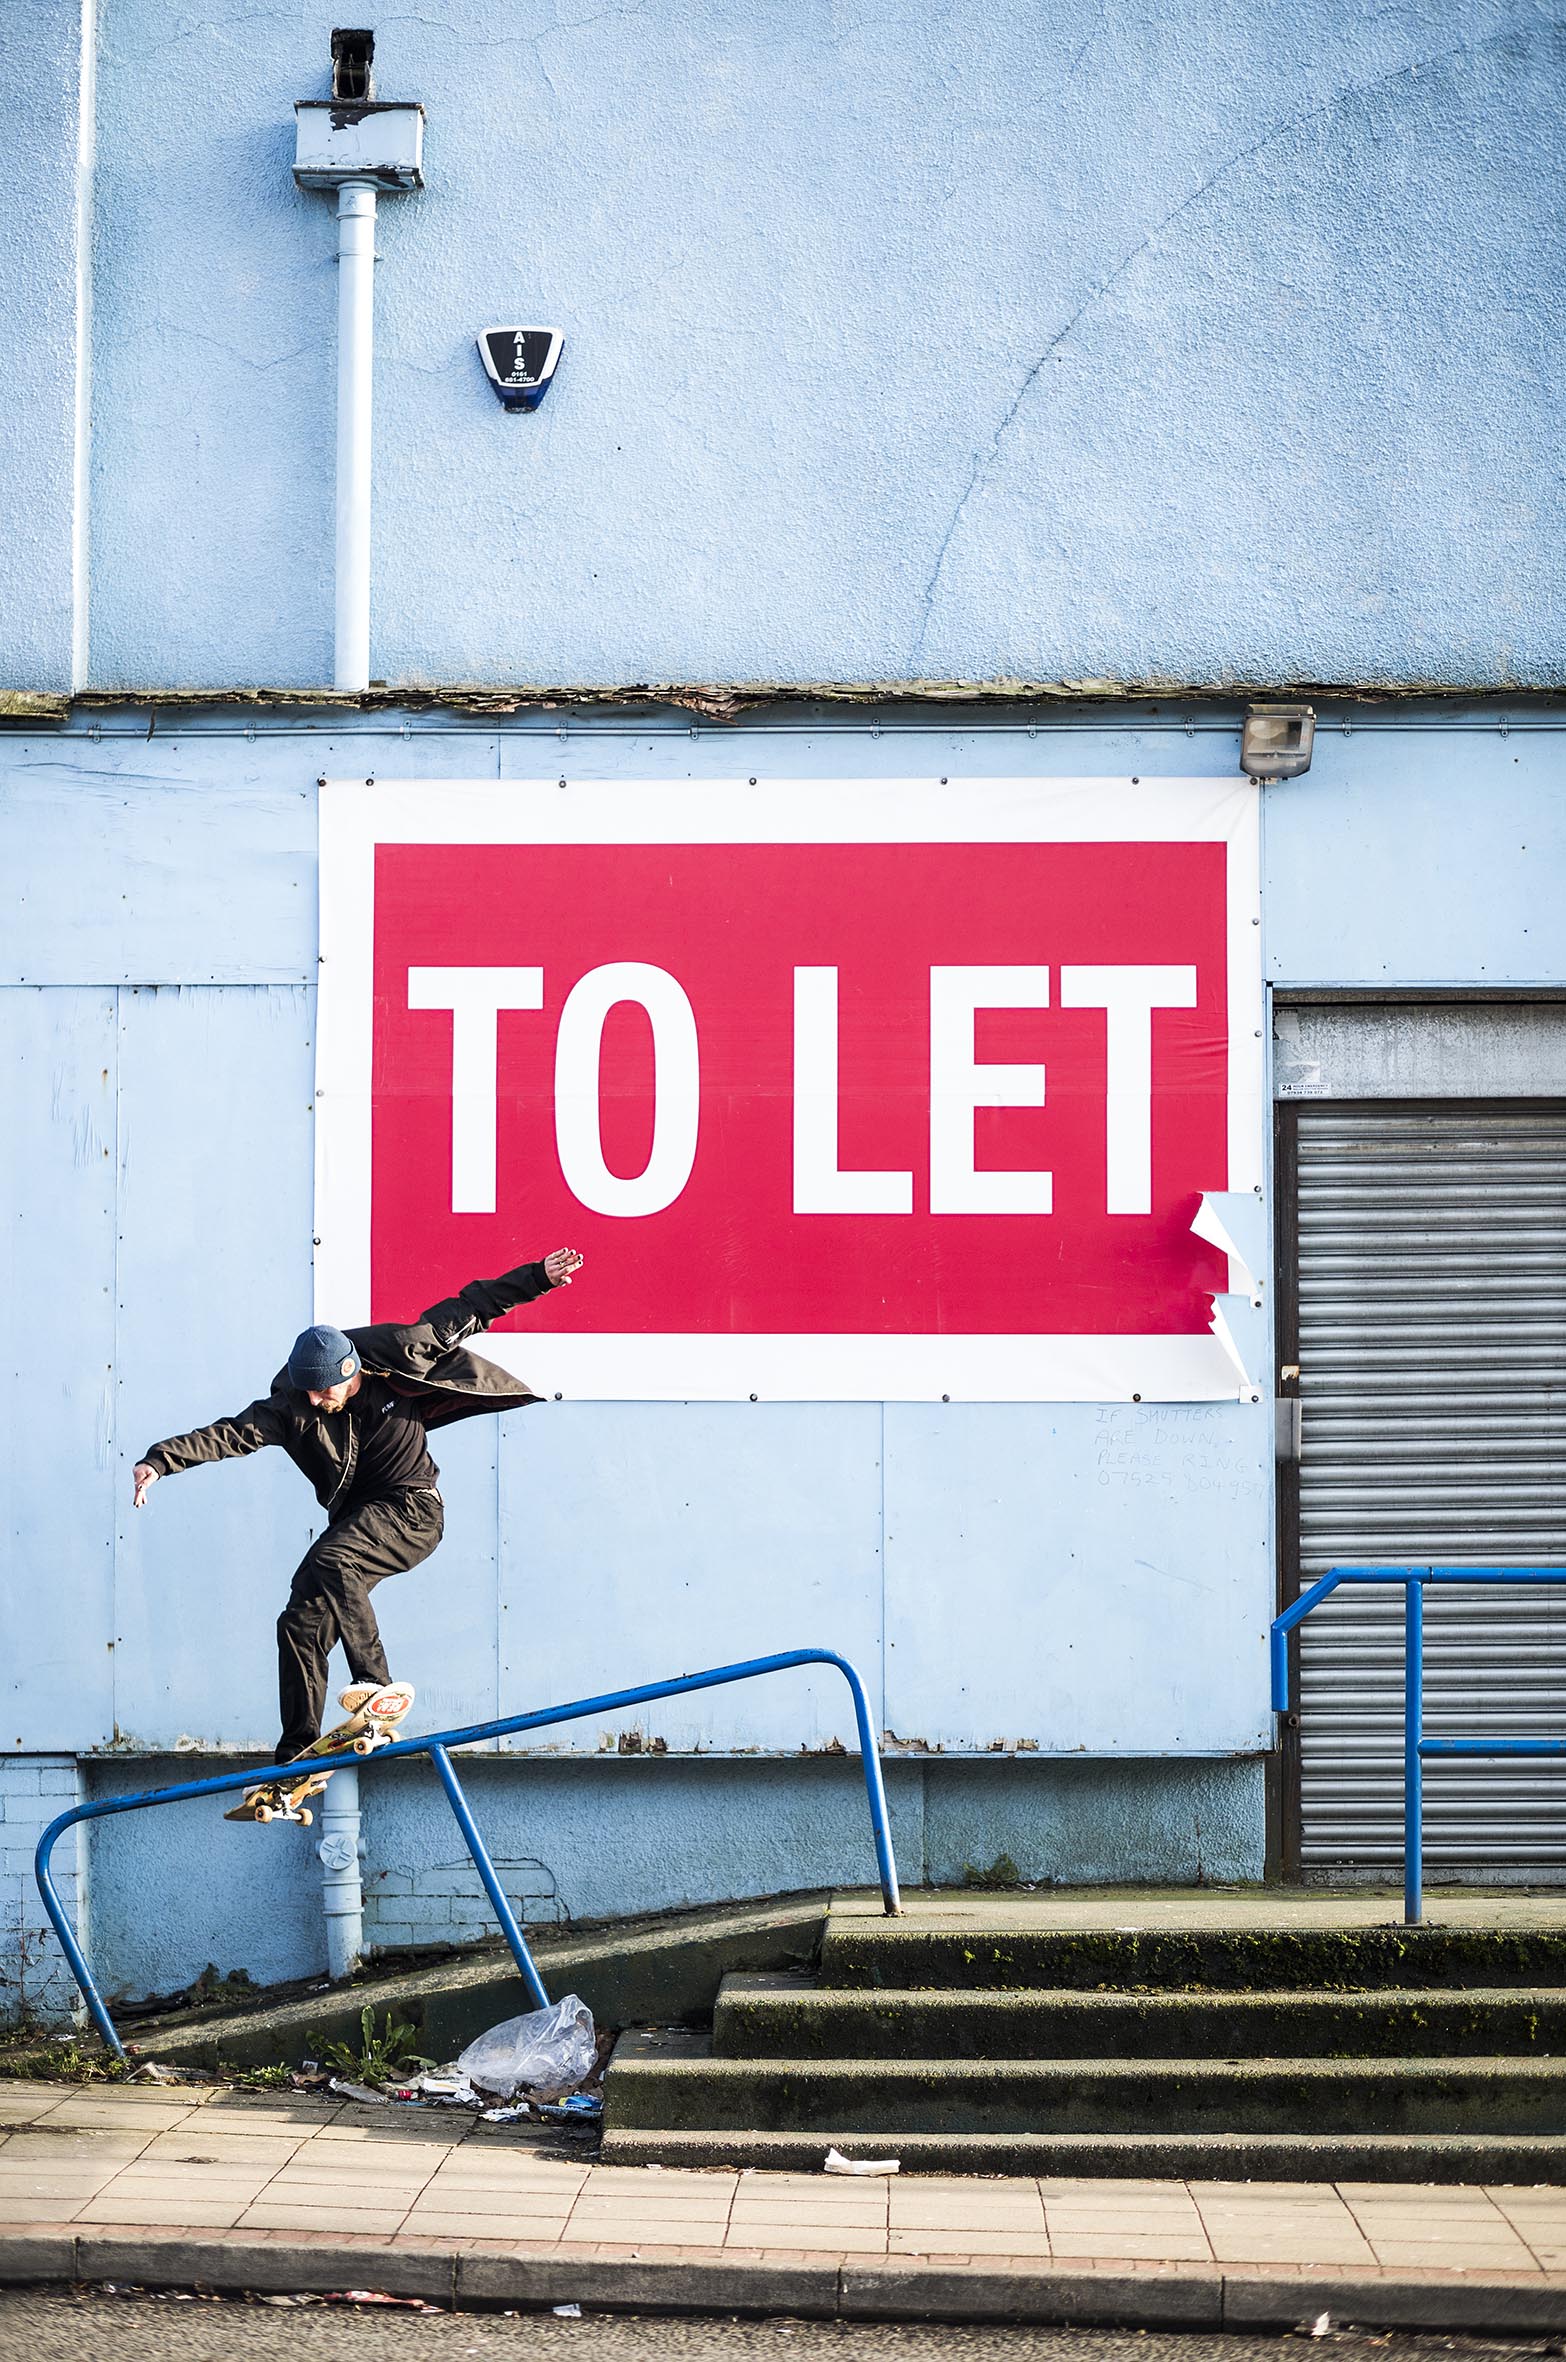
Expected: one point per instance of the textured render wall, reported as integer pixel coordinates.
(1215, 342)
(40, 71)
(180, 1887)
(35, 1982)
(596, 1840)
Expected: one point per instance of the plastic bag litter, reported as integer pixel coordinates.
(547, 2050)
(357, 2091)
(447, 2089)
(378, 2296)
(578, 2110)
(835, 2163)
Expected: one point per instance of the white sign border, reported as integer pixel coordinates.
(358, 815)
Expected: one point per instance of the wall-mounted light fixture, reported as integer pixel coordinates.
(1277, 741)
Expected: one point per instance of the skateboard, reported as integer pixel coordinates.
(372, 1724)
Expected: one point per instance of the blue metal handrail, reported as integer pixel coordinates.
(438, 1746)
(1415, 1745)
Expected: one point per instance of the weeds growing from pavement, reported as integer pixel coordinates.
(380, 2058)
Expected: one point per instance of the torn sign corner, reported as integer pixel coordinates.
(1235, 1222)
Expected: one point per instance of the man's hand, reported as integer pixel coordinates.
(143, 1477)
(561, 1266)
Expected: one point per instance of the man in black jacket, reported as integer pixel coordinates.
(352, 1409)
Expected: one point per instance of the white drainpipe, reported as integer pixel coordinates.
(356, 146)
(355, 375)
(339, 1851)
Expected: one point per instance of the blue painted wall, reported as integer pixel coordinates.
(1433, 854)
(597, 1840)
(1005, 1576)
(997, 342)
(1087, 1584)
(991, 341)
(41, 74)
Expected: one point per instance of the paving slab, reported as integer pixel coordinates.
(348, 2197)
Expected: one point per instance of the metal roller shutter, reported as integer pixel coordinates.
(1432, 1331)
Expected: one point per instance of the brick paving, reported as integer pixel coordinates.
(209, 2160)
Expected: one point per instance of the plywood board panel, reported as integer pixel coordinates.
(214, 1284)
(1078, 1576)
(439, 1620)
(57, 1168)
(187, 859)
(642, 1540)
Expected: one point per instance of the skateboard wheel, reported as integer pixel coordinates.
(364, 1745)
(305, 1816)
(263, 1812)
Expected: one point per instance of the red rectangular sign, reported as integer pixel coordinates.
(791, 1094)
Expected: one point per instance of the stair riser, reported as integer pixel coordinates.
(879, 1954)
(874, 2100)
(1235, 2160)
(954, 2025)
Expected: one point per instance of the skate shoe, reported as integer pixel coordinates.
(381, 1702)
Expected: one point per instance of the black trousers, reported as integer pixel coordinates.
(330, 1601)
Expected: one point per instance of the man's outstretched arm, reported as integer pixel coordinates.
(250, 1430)
(484, 1301)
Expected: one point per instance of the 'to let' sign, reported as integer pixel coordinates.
(882, 1090)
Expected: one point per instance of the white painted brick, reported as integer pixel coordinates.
(387, 1882)
(428, 1911)
(394, 1936)
(33, 1976)
(464, 1880)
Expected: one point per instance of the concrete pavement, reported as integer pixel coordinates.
(186, 2185)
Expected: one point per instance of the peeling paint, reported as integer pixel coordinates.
(728, 701)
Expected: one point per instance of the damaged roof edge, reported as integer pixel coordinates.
(726, 702)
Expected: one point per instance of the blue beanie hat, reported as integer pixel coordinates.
(322, 1357)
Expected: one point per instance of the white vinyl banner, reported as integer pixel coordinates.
(846, 1090)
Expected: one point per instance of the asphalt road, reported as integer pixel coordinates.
(51, 2326)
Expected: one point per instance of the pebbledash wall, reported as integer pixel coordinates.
(1137, 357)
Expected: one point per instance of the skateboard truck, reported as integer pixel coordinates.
(370, 1725)
(284, 1811)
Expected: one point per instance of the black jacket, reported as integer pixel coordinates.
(424, 1358)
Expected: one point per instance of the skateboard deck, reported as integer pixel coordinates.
(288, 1799)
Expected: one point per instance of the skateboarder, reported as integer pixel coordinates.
(352, 1409)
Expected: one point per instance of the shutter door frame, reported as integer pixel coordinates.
(1286, 1836)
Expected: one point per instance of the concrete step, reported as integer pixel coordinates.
(1179, 2156)
(791, 2016)
(674, 2081)
(661, 1966)
(899, 1955)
